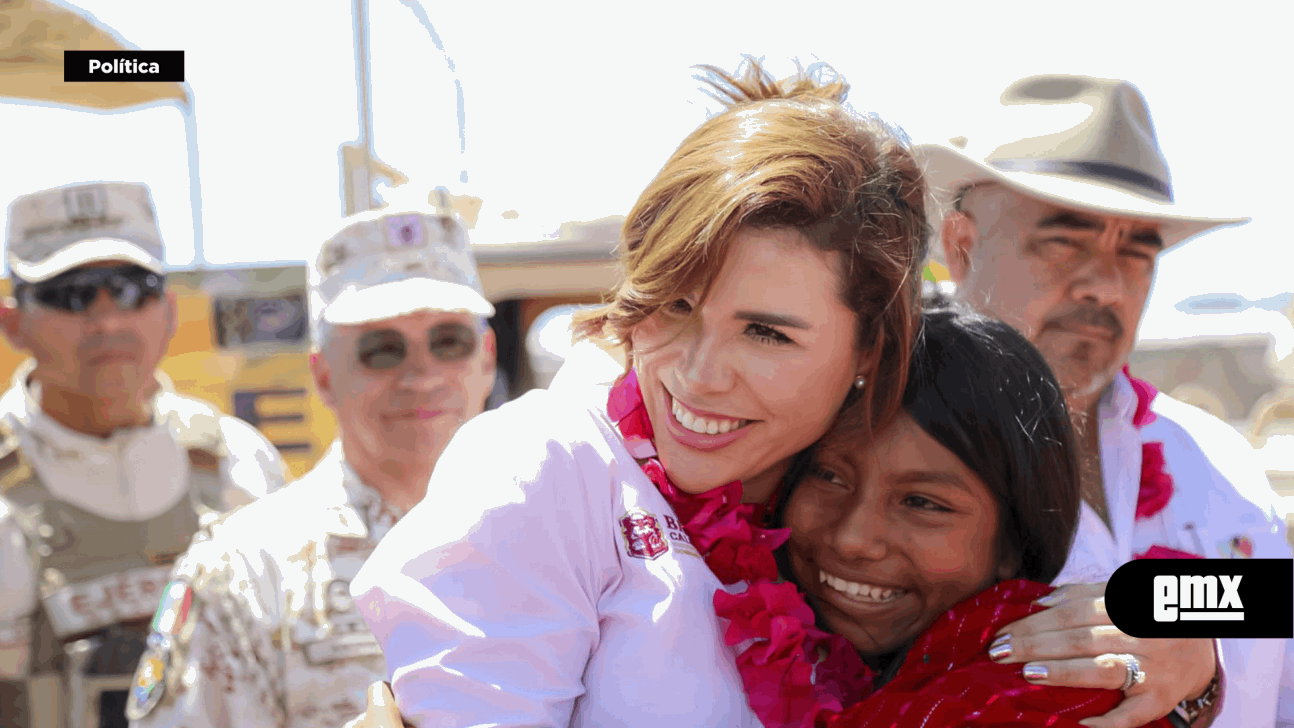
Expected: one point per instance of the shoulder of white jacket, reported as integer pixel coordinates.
(12, 401)
(1181, 421)
(281, 520)
(587, 364)
(244, 440)
(1217, 444)
(12, 534)
(195, 422)
(538, 417)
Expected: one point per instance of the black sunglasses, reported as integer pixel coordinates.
(130, 287)
(387, 348)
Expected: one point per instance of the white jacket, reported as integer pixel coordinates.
(1222, 506)
(544, 582)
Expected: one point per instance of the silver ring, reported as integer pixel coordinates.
(1136, 675)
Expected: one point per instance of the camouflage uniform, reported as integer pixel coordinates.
(258, 628)
(80, 584)
(90, 526)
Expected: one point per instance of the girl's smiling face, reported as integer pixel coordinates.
(889, 536)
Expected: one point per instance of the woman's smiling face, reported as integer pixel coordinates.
(889, 536)
(758, 373)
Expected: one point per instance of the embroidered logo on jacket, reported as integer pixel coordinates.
(643, 535)
(1237, 547)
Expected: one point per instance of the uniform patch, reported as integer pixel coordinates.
(86, 203)
(339, 546)
(74, 608)
(405, 231)
(150, 678)
(173, 610)
(643, 536)
(1237, 547)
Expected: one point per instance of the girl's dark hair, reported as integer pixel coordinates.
(980, 389)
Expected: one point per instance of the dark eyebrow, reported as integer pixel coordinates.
(1148, 237)
(1071, 221)
(773, 319)
(938, 477)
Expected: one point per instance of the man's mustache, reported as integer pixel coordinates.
(1096, 316)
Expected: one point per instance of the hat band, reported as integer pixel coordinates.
(1126, 175)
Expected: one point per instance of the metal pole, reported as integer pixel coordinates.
(421, 14)
(195, 180)
(364, 81)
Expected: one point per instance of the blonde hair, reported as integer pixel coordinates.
(785, 154)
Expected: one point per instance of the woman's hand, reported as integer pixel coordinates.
(1074, 643)
(380, 711)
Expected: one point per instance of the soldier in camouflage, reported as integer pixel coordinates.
(106, 473)
(258, 628)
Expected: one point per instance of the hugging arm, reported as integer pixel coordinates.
(484, 597)
(1074, 639)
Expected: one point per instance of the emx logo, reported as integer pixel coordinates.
(1199, 593)
(1225, 598)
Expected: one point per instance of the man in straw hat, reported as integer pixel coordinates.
(105, 471)
(257, 627)
(1057, 234)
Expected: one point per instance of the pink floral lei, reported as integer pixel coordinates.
(1156, 484)
(794, 674)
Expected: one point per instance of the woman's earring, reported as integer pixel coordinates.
(859, 382)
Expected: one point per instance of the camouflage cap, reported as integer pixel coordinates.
(55, 230)
(389, 263)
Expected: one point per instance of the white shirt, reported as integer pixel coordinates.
(133, 475)
(276, 640)
(586, 363)
(1220, 493)
(521, 593)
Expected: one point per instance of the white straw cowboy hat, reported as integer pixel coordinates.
(1109, 163)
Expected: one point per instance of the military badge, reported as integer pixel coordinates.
(643, 536)
(150, 678)
(173, 611)
(405, 231)
(1237, 547)
(338, 546)
(85, 203)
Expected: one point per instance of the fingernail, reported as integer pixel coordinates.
(1000, 652)
(1047, 601)
(1001, 640)
(1035, 672)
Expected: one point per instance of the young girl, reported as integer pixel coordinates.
(920, 542)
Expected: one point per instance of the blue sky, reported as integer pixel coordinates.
(572, 106)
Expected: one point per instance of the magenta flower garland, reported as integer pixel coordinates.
(793, 673)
